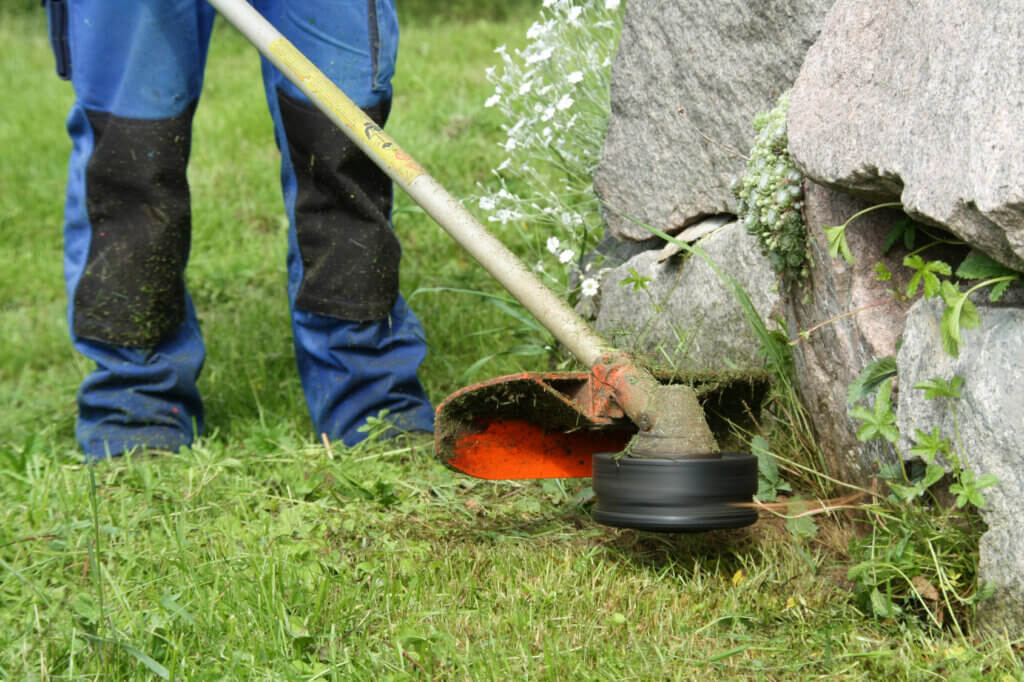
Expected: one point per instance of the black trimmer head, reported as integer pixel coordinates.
(675, 495)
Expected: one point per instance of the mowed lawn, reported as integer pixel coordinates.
(262, 554)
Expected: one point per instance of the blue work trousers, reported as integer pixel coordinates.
(137, 71)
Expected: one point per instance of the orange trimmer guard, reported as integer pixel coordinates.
(550, 424)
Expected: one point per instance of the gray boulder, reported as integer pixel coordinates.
(921, 102)
(853, 319)
(687, 81)
(684, 317)
(990, 420)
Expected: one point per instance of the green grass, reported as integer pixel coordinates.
(259, 554)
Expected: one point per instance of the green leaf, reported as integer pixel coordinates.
(926, 274)
(767, 470)
(929, 444)
(961, 494)
(905, 229)
(146, 660)
(950, 340)
(986, 481)
(880, 422)
(882, 273)
(998, 289)
(802, 526)
(869, 379)
(762, 450)
(906, 493)
(979, 266)
(932, 474)
(954, 299)
(636, 280)
(937, 387)
(170, 603)
(882, 606)
(837, 243)
(969, 317)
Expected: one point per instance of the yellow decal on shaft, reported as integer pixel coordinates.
(322, 90)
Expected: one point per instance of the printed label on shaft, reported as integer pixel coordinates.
(326, 93)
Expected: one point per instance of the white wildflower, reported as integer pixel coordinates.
(541, 56)
(537, 30)
(505, 215)
(491, 101)
(550, 92)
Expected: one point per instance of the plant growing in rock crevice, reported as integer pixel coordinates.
(921, 553)
(933, 277)
(770, 197)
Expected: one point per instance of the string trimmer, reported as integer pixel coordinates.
(654, 460)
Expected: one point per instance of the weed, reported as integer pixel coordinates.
(934, 278)
(921, 554)
(770, 197)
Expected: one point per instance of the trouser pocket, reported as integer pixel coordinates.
(57, 21)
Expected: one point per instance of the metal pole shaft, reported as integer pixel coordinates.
(551, 311)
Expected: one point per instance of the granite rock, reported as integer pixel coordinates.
(988, 418)
(923, 103)
(687, 81)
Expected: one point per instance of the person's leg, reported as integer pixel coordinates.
(136, 67)
(358, 346)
